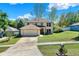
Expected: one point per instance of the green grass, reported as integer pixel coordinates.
(11, 41)
(2, 49)
(72, 50)
(63, 36)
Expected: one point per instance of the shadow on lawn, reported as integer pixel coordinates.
(76, 38)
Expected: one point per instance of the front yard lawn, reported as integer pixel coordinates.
(72, 50)
(63, 36)
(13, 40)
(2, 49)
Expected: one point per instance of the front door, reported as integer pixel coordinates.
(42, 31)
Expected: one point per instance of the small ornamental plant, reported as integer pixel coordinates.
(62, 51)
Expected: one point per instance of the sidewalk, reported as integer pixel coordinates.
(54, 43)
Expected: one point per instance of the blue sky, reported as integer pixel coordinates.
(24, 10)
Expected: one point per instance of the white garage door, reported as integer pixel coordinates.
(29, 32)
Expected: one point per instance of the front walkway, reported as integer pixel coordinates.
(26, 46)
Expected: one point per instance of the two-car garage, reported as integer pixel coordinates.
(30, 30)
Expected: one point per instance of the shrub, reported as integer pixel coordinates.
(57, 29)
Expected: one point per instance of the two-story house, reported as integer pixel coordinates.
(35, 27)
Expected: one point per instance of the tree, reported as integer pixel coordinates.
(52, 16)
(24, 20)
(69, 18)
(3, 20)
(77, 16)
(39, 10)
(12, 23)
(63, 21)
(19, 23)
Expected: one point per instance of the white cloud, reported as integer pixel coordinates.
(61, 5)
(28, 15)
(12, 19)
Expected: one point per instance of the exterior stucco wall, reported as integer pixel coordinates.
(30, 32)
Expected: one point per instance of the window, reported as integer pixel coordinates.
(27, 23)
(48, 24)
(48, 31)
(36, 24)
(41, 24)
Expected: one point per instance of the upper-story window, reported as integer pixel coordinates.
(41, 24)
(48, 24)
(35, 23)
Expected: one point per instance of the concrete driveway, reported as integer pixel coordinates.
(26, 46)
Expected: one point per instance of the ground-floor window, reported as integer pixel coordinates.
(48, 31)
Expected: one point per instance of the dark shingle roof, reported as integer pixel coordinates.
(11, 29)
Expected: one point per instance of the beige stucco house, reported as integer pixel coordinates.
(36, 27)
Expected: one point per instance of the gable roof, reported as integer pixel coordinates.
(30, 26)
(39, 20)
(11, 29)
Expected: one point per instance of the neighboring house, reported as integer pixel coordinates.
(36, 26)
(66, 29)
(73, 27)
(12, 30)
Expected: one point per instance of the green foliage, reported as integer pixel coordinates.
(57, 28)
(62, 51)
(19, 23)
(69, 18)
(13, 40)
(9, 35)
(12, 23)
(50, 50)
(63, 22)
(3, 20)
